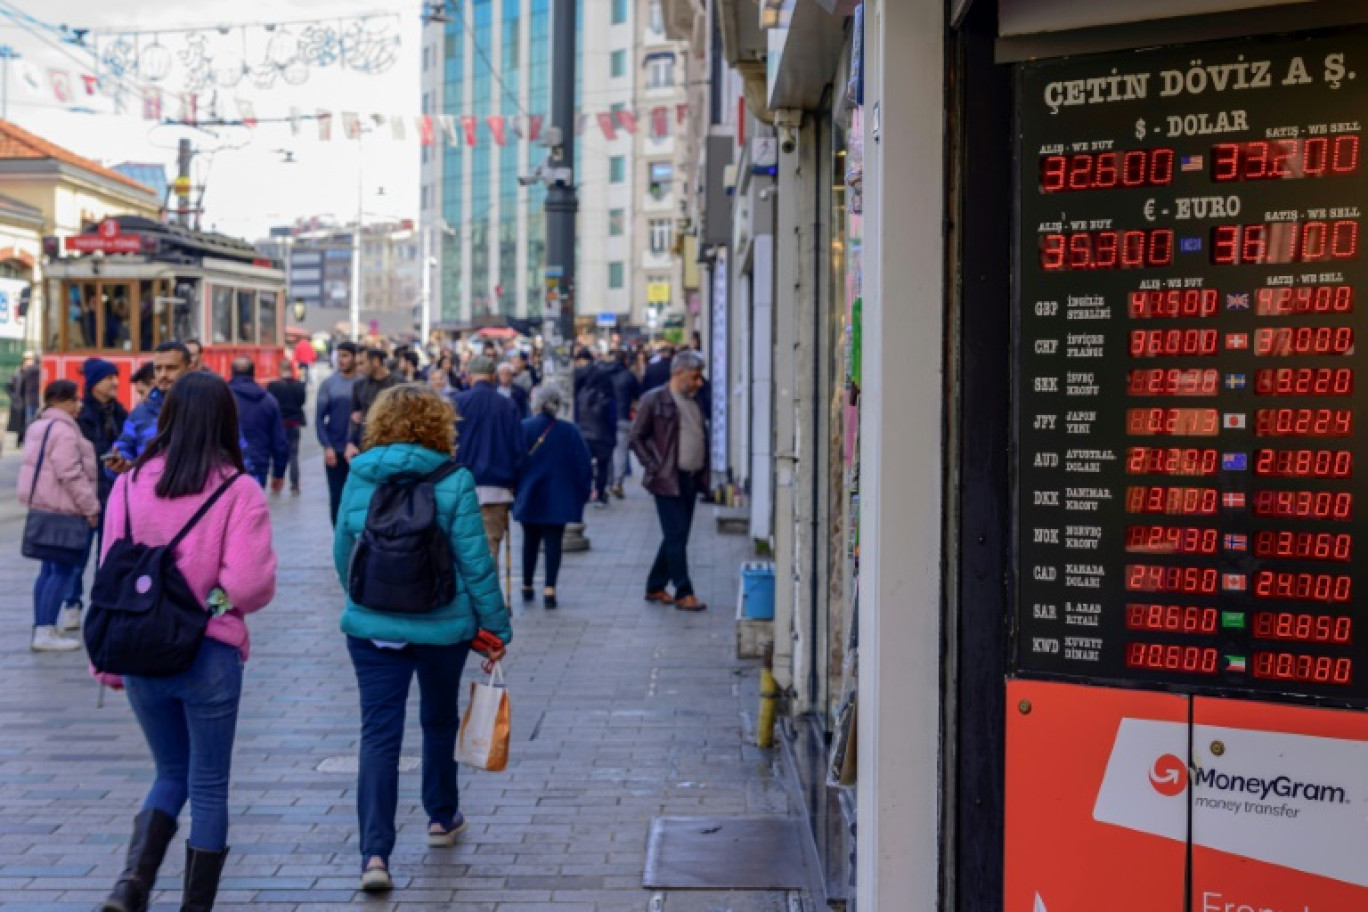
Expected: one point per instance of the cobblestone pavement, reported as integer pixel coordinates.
(621, 711)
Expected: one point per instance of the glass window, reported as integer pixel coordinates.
(246, 317)
(267, 307)
(615, 275)
(657, 20)
(617, 169)
(662, 179)
(619, 12)
(662, 73)
(185, 307)
(617, 222)
(617, 64)
(221, 315)
(81, 316)
(662, 236)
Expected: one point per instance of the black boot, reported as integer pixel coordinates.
(202, 871)
(152, 832)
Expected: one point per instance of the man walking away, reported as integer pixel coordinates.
(510, 390)
(332, 418)
(658, 369)
(626, 391)
(290, 394)
(596, 415)
(262, 426)
(670, 438)
(101, 419)
(490, 445)
(376, 377)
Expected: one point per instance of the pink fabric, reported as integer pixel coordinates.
(230, 547)
(67, 482)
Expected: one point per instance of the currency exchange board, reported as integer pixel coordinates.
(1191, 339)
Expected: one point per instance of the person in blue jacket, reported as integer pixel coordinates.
(268, 447)
(491, 447)
(553, 490)
(411, 430)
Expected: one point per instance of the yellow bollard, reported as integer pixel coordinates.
(769, 701)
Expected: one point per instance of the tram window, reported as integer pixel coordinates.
(81, 316)
(246, 318)
(184, 306)
(221, 318)
(266, 316)
(118, 332)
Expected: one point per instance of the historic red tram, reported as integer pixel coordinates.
(125, 286)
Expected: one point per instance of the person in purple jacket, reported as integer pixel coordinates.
(190, 719)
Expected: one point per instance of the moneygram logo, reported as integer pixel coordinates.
(1264, 789)
(1169, 776)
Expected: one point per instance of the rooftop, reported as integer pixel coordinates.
(18, 143)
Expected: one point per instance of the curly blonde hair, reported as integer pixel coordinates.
(411, 413)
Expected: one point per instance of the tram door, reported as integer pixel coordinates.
(1185, 725)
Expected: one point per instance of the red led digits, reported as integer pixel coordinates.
(1174, 382)
(1164, 657)
(1322, 546)
(1172, 501)
(1106, 250)
(1304, 423)
(1167, 343)
(1171, 461)
(1284, 242)
(1170, 618)
(1304, 340)
(1307, 299)
(1308, 587)
(1295, 627)
(1106, 170)
(1171, 540)
(1285, 159)
(1301, 381)
(1332, 505)
(1150, 422)
(1304, 463)
(1303, 669)
(1156, 578)
(1190, 302)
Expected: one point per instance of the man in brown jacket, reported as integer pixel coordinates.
(670, 437)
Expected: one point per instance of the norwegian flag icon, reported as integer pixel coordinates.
(1235, 341)
(1234, 582)
(1233, 500)
(1235, 542)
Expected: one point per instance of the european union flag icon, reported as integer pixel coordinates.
(1235, 462)
(1236, 381)
(1190, 245)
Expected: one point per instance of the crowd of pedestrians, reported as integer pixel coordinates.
(427, 461)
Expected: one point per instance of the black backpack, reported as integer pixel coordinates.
(144, 620)
(401, 562)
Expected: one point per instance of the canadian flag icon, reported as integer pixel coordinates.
(1039, 905)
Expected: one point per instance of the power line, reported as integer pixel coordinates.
(475, 41)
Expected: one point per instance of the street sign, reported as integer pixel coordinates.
(606, 320)
(555, 272)
(658, 293)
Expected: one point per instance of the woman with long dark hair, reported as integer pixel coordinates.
(190, 719)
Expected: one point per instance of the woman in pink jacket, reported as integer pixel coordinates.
(64, 461)
(190, 719)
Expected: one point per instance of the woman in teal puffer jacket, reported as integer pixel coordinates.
(411, 430)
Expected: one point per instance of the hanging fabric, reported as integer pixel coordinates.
(448, 123)
(627, 120)
(496, 129)
(425, 131)
(468, 123)
(324, 125)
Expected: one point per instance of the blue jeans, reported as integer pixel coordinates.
(77, 592)
(383, 677)
(676, 521)
(49, 591)
(189, 721)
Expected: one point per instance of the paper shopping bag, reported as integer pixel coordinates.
(483, 740)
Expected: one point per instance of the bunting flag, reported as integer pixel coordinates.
(448, 124)
(425, 129)
(605, 120)
(295, 116)
(397, 128)
(515, 125)
(91, 83)
(627, 120)
(61, 85)
(534, 127)
(681, 112)
(189, 108)
(247, 111)
(468, 124)
(660, 122)
(324, 125)
(152, 103)
(496, 129)
(351, 125)
(580, 120)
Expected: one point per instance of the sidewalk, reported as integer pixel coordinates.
(622, 711)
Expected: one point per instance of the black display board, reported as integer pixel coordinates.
(1190, 313)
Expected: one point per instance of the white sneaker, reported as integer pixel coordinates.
(69, 619)
(47, 639)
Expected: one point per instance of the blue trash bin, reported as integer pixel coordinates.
(757, 591)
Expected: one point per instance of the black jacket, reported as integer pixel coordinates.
(656, 375)
(626, 389)
(364, 393)
(290, 394)
(595, 405)
(102, 425)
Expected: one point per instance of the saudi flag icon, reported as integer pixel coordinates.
(1233, 620)
(1235, 663)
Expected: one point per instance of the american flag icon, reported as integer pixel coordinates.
(1235, 542)
(1237, 300)
(1237, 340)
(1192, 163)
(1234, 582)
(1234, 500)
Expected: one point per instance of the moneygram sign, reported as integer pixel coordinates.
(1263, 789)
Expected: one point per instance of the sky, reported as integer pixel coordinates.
(249, 184)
